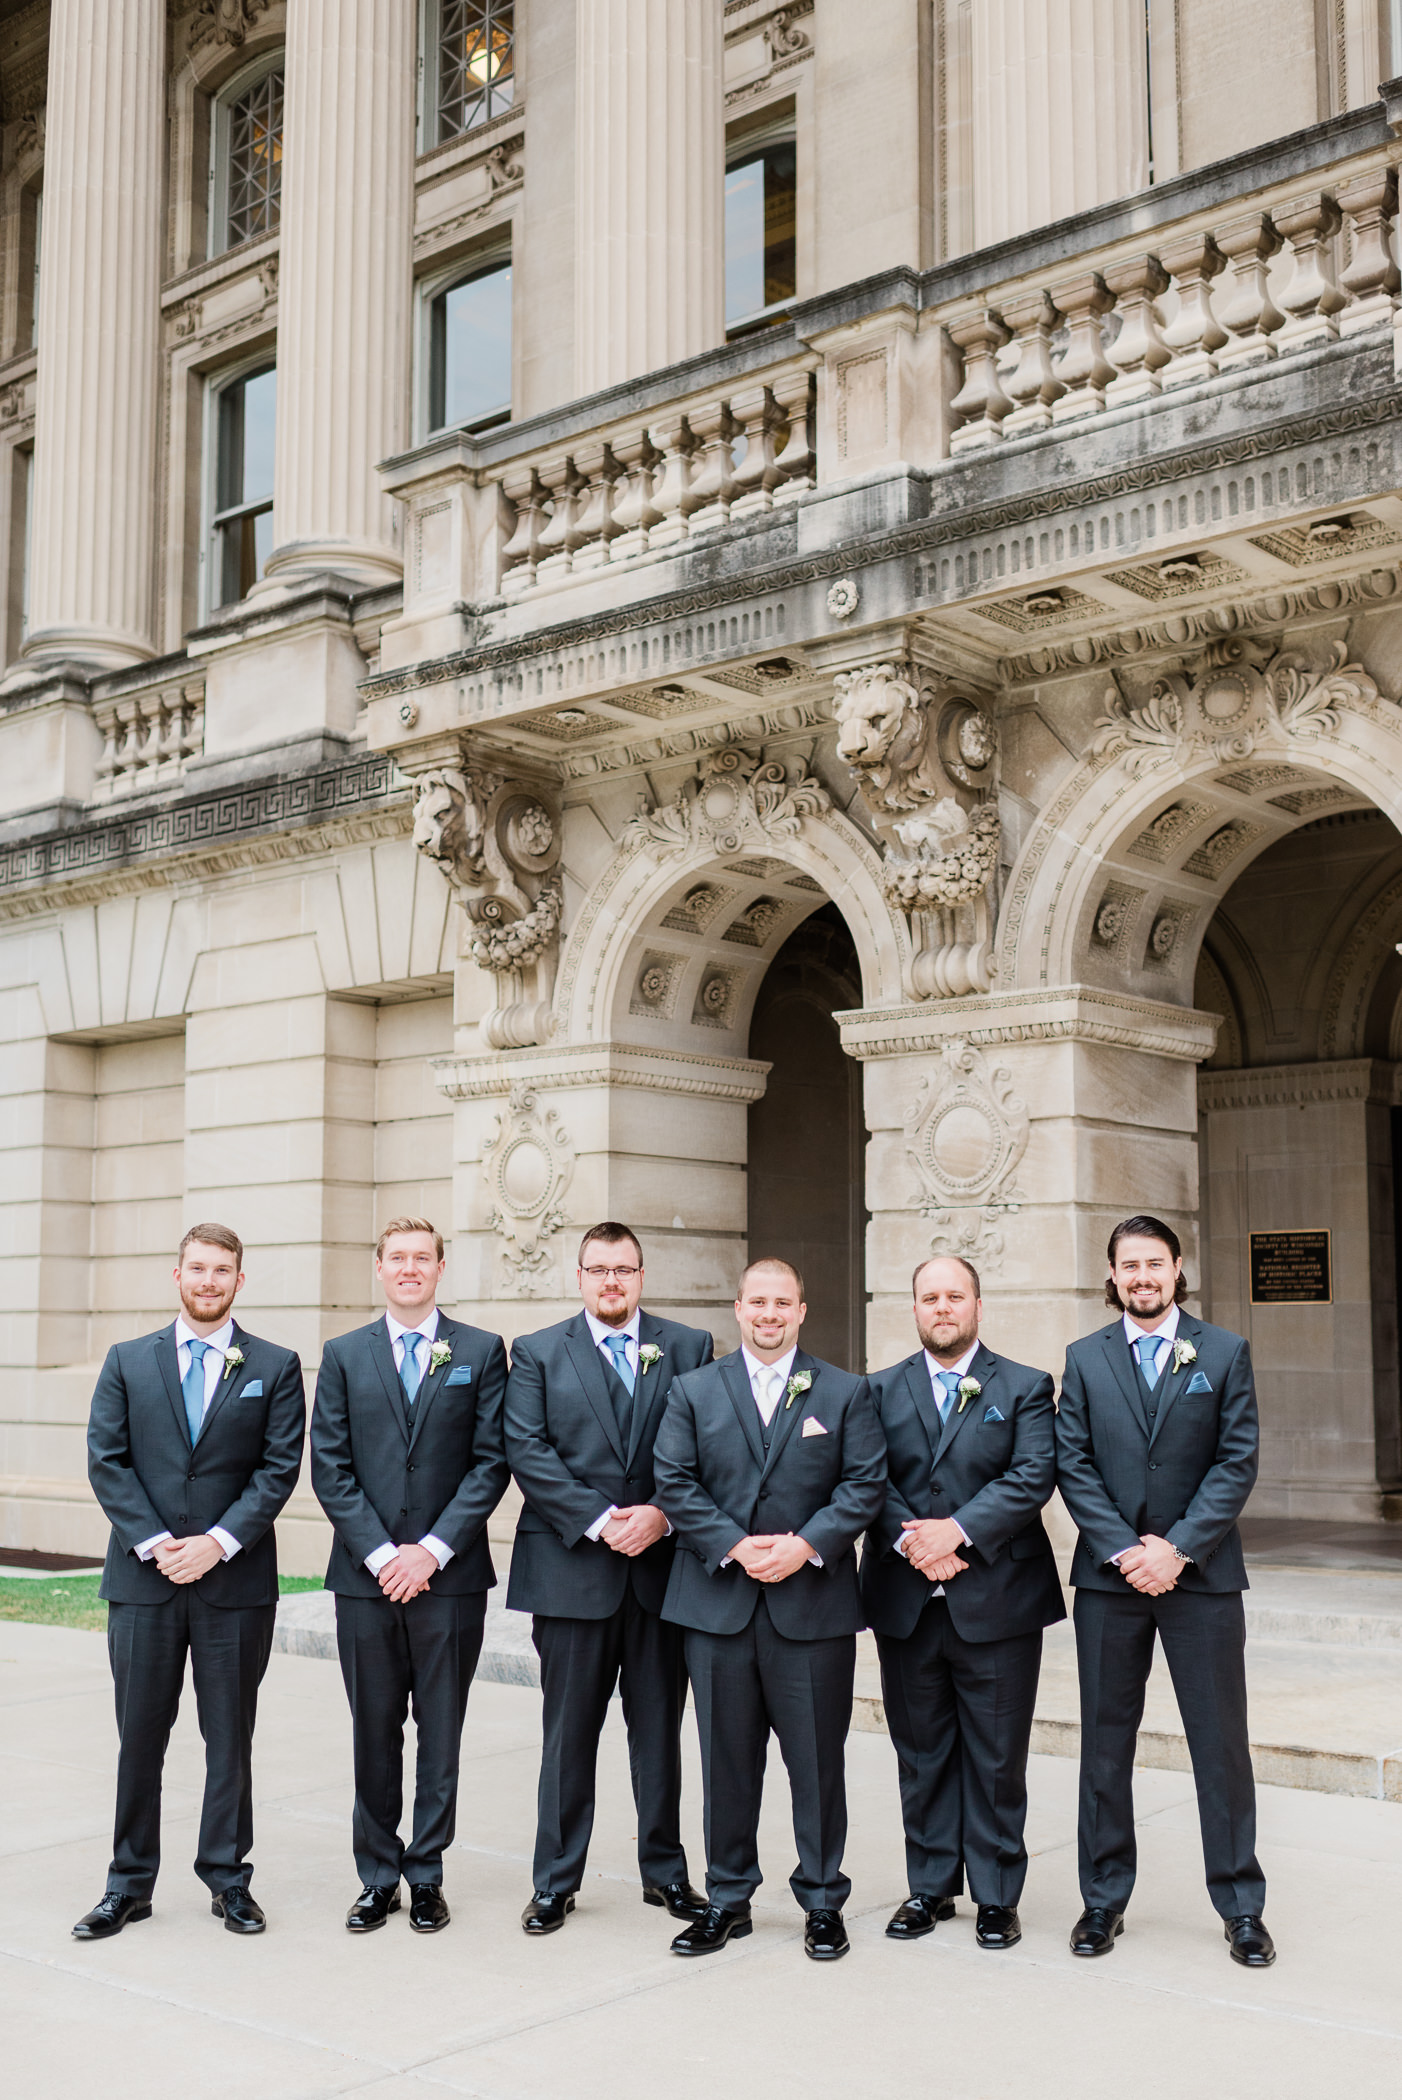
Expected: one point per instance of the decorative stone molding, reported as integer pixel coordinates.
(740, 1079)
(739, 799)
(965, 1132)
(1073, 1013)
(1290, 1086)
(226, 21)
(1238, 695)
(527, 1164)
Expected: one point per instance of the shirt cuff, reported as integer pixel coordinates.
(225, 1540)
(441, 1553)
(380, 1558)
(1116, 1558)
(595, 1530)
(148, 1546)
(815, 1560)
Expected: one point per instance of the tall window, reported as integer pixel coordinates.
(475, 44)
(469, 351)
(247, 167)
(245, 413)
(761, 225)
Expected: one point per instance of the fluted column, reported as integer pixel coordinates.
(1061, 110)
(92, 531)
(344, 288)
(649, 147)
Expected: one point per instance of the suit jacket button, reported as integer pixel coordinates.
(412, 1469)
(1153, 1465)
(191, 1474)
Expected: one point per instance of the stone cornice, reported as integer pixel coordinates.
(1074, 1013)
(602, 1065)
(1287, 1086)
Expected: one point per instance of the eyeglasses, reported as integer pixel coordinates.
(622, 1275)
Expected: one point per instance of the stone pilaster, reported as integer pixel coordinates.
(1061, 110)
(649, 146)
(91, 536)
(344, 288)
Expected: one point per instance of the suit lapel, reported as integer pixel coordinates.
(586, 1360)
(737, 1385)
(448, 1331)
(223, 1384)
(382, 1352)
(651, 1388)
(922, 1399)
(168, 1359)
(786, 1417)
(1118, 1357)
(985, 1369)
(1171, 1381)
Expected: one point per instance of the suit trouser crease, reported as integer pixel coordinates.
(746, 1685)
(1204, 1639)
(960, 1715)
(581, 1660)
(228, 1649)
(418, 1657)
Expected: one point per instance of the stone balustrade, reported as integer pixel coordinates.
(147, 738)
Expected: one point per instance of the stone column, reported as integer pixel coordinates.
(649, 148)
(92, 532)
(1061, 110)
(345, 287)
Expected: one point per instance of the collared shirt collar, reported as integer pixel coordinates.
(783, 1366)
(958, 1369)
(222, 1338)
(1166, 1331)
(427, 1327)
(599, 1333)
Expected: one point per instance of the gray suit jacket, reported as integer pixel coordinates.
(1185, 1476)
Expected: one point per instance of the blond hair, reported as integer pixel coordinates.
(409, 1225)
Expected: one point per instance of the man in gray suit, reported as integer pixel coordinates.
(408, 1463)
(1157, 1442)
(770, 1464)
(591, 1560)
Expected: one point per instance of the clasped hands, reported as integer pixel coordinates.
(1152, 1567)
(772, 1556)
(634, 1529)
(185, 1560)
(410, 1571)
(932, 1545)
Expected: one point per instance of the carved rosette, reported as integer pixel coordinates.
(965, 1133)
(738, 799)
(527, 1164)
(1238, 695)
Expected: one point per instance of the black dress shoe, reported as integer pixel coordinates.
(825, 1935)
(239, 1911)
(111, 1914)
(1096, 1931)
(428, 1911)
(371, 1907)
(679, 1897)
(712, 1929)
(545, 1913)
(919, 1915)
(998, 1925)
(1250, 1942)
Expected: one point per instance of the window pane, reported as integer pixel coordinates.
(247, 416)
(476, 63)
(744, 239)
(255, 160)
(780, 224)
(471, 377)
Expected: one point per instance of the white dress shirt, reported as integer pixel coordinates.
(1164, 1335)
(601, 1336)
(934, 1367)
(778, 1377)
(217, 1346)
(428, 1328)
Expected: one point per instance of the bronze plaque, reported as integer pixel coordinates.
(1291, 1268)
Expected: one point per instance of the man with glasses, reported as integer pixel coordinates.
(591, 1561)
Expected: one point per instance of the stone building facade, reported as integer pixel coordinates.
(779, 621)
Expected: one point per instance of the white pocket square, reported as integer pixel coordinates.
(813, 1427)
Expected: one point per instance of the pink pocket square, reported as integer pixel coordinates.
(813, 1427)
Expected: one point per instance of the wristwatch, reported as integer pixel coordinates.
(1179, 1554)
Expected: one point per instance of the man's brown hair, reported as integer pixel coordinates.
(769, 1261)
(212, 1236)
(1144, 1227)
(409, 1225)
(610, 1234)
(967, 1266)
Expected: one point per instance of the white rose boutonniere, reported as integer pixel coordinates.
(649, 1355)
(969, 1389)
(233, 1361)
(799, 1383)
(441, 1353)
(1183, 1353)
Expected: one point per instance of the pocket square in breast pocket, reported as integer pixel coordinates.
(461, 1374)
(813, 1427)
(1198, 1384)
(994, 1414)
(253, 1390)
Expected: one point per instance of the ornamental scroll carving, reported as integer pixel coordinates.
(737, 799)
(925, 757)
(965, 1133)
(1238, 695)
(527, 1163)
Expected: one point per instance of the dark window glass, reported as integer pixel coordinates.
(255, 160)
(243, 514)
(760, 233)
(470, 352)
(476, 63)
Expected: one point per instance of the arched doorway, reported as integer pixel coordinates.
(806, 1135)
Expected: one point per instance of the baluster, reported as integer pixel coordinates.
(192, 722)
(150, 716)
(524, 492)
(1032, 383)
(793, 395)
(596, 525)
(1372, 278)
(672, 480)
(980, 402)
(1082, 368)
(129, 746)
(1194, 335)
(1311, 299)
(713, 478)
(1138, 351)
(757, 473)
(1249, 314)
(634, 513)
(558, 536)
(107, 763)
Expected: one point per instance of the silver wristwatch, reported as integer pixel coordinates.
(1179, 1554)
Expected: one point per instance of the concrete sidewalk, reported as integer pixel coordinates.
(602, 2008)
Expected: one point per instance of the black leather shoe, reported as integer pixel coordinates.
(998, 1925)
(110, 1915)
(371, 1907)
(825, 1935)
(712, 1929)
(919, 1915)
(1250, 1942)
(428, 1911)
(239, 1911)
(1096, 1931)
(679, 1897)
(545, 1913)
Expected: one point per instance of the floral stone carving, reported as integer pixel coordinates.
(527, 1163)
(1237, 695)
(965, 1133)
(738, 799)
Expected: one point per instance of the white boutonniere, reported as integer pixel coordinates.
(969, 1389)
(1183, 1353)
(441, 1353)
(233, 1361)
(649, 1355)
(799, 1383)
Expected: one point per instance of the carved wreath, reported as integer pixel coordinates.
(1230, 703)
(949, 856)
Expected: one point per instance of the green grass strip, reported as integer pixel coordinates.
(72, 1600)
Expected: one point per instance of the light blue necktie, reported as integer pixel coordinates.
(1148, 1347)
(410, 1375)
(950, 1381)
(617, 1346)
(192, 1388)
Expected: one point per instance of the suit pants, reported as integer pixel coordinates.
(395, 1658)
(1204, 1644)
(581, 1660)
(746, 1685)
(960, 1716)
(228, 1650)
